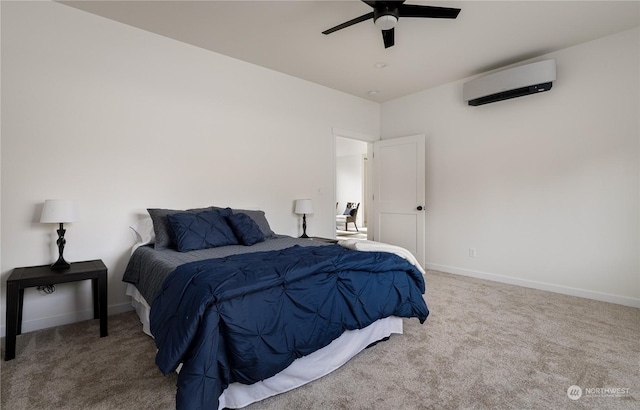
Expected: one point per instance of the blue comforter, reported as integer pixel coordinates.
(244, 318)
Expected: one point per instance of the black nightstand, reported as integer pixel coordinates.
(33, 276)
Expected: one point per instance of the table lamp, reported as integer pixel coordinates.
(304, 207)
(60, 212)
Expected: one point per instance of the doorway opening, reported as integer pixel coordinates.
(352, 184)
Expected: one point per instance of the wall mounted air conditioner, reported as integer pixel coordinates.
(510, 83)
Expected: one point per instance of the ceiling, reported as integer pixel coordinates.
(286, 36)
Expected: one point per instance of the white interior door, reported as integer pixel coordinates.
(398, 198)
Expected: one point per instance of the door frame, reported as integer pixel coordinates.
(368, 199)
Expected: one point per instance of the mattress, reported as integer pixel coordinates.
(147, 268)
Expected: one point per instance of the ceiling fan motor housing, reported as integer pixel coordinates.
(385, 17)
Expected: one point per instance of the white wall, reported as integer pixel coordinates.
(545, 187)
(120, 119)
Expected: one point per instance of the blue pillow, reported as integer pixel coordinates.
(161, 227)
(245, 228)
(201, 230)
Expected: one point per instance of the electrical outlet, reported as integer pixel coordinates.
(472, 252)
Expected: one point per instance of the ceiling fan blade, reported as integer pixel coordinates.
(349, 23)
(388, 36)
(411, 10)
(388, 3)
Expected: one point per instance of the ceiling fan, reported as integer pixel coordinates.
(386, 13)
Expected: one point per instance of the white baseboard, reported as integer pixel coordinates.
(565, 290)
(68, 318)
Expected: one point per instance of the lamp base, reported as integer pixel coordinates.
(60, 264)
(304, 226)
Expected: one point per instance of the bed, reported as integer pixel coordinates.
(261, 313)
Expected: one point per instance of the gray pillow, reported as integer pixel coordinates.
(259, 217)
(161, 225)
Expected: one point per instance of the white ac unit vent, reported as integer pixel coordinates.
(511, 83)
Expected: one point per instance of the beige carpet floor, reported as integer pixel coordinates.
(485, 346)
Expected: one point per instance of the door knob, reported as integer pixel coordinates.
(419, 208)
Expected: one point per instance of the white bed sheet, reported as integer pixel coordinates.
(302, 370)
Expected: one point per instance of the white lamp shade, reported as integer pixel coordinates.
(59, 211)
(304, 206)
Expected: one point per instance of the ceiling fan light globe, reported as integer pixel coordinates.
(386, 22)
